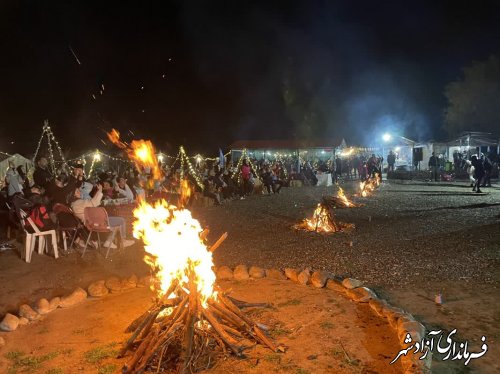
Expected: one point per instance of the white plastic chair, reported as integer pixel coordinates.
(29, 244)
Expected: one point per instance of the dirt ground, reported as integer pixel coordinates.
(322, 330)
(412, 240)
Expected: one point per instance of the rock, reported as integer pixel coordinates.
(292, 274)
(98, 289)
(114, 284)
(76, 297)
(43, 306)
(319, 278)
(133, 280)
(2, 342)
(224, 272)
(144, 281)
(334, 284)
(414, 328)
(351, 283)
(361, 294)
(275, 274)
(241, 272)
(257, 272)
(23, 321)
(304, 276)
(393, 319)
(9, 322)
(27, 312)
(127, 285)
(54, 303)
(412, 364)
(390, 310)
(377, 306)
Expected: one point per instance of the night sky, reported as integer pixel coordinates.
(206, 73)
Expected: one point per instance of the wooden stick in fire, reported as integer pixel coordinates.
(218, 242)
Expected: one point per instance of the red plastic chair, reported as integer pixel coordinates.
(96, 220)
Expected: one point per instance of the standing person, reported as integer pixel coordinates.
(478, 172)
(14, 181)
(356, 163)
(372, 165)
(42, 176)
(391, 160)
(488, 167)
(434, 167)
(24, 177)
(245, 177)
(338, 167)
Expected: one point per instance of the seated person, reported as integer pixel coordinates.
(210, 190)
(78, 205)
(108, 191)
(123, 188)
(59, 190)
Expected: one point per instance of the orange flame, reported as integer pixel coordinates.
(141, 152)
(320, 221)
(174, 248)
(368, 186)
(341, 195)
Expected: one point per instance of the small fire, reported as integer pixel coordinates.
(321, 221)
(141, 152)
(368, 186)
(341, 195)
(174, 249)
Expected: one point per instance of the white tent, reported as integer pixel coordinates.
(17, 160)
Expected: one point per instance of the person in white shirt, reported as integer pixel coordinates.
(14, 181)
(78, 205)
(123, 188)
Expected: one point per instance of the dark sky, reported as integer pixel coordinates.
(205, 73)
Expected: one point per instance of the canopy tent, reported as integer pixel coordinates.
(474, 139)
(16, 159)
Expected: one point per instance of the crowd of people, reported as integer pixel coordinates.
(479, 167)
(70, 187)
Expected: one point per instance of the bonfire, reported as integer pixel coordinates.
(368, 186)
(322, 221)
(192, 322)
(339, 201)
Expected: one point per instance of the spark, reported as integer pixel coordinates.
(74, 54)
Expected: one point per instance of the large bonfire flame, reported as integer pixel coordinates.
(185, 255)
(190, 322)
(368, 186)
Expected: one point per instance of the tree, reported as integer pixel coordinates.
(474, 100)
(301, 104)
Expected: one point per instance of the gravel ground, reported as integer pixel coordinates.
(411, 241)
(411, 232)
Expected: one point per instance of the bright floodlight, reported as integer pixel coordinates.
(386, 137)
(97, 156)
(160, 158)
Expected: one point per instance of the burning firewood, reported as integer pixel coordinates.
(322, 221)
(339, 201)
(368, 186)
(192, 322)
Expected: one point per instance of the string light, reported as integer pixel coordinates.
(191, 170)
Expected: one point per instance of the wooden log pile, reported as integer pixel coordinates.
(180, 334)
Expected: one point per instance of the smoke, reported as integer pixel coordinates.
(386, 102)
